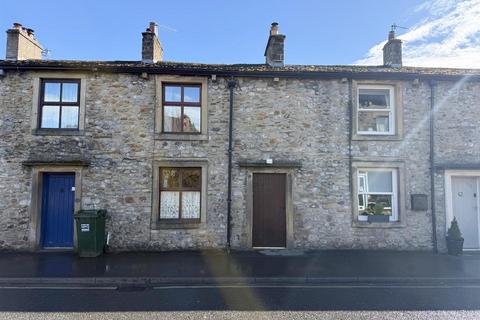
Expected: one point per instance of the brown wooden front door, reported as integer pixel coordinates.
(269, 214)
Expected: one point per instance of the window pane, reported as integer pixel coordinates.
(70, 92)
(361, 203)
(191, 119)
(361, 182)
(169, 205)
(374, 98)
(170, 178)
(379, 181)
(173, 93)
(191, 205)
(52, 91)
(383, 200)
(373, 121)
(171, 119)
(191, 94)
(191, 178)
(50, 117)
(70, 117)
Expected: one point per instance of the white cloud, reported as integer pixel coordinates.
(449, 37)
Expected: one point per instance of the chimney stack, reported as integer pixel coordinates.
(152, 50)
(274, 52)
(392, 51)
(22, 44)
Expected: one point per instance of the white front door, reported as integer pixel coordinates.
(466, 210)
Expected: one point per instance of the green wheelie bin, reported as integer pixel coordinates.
(90, 225)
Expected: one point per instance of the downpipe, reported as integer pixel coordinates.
(231, 86)
(432, 167)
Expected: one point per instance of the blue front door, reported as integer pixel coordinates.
(57, 210)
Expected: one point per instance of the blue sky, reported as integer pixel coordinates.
(318, 32)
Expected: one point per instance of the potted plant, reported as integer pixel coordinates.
(377, 214)
(454, 239)
(363, 216)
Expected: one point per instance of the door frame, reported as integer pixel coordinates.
(288, 204)
(36, 201)
(449, 175)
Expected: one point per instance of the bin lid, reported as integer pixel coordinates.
(91, 213)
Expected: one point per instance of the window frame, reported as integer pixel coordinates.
(391, 110)
(180, 189)
(42, 103)
(394, 194)
(182, 104)
(155, 222)
(167, 79)
(366, 163)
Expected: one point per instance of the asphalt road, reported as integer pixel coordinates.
(241, 298)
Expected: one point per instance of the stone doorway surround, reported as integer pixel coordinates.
(285, 167)
(38, 169)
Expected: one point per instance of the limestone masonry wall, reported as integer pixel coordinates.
(291, 119)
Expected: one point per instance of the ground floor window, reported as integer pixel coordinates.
(180, 194)
(377, 193)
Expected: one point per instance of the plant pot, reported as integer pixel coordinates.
(454, 246)
(362, 218)
(378, 218)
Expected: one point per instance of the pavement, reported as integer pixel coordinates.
(131, 269)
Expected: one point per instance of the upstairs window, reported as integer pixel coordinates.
(182, 108)
(376, 110)
(59, 104)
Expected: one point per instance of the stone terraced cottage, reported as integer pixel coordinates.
(200, 156)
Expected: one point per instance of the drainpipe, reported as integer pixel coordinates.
(350, 134)
(231, 86)
(432, 166)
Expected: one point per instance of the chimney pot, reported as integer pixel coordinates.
(17, 25)
(391, 35)
(274, 29)
(274, 52)
(154, 28)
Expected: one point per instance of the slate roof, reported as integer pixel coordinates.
(299, 71)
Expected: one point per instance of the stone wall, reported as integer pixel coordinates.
(120, 146)
(289, 119)
(308, 121)
(457, 136)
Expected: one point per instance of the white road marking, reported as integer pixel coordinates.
(314, 286)
(57, 288)
(243, 286)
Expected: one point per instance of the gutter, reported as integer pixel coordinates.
(231, 86)
(432, 167)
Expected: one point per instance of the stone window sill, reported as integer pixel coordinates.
(357, 137)
(378, 225)
(57, 132)
(163, 225)
(181, 137)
